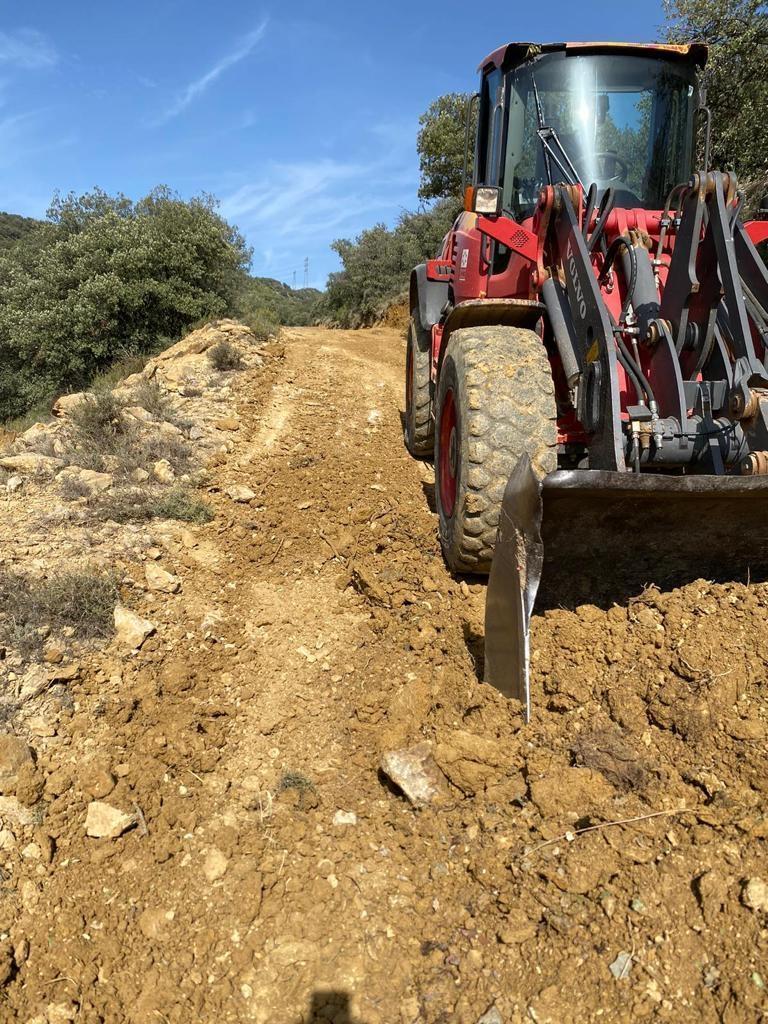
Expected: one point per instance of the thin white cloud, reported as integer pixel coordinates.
(196, 88)
(27, 48)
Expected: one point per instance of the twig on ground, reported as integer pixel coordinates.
(569, 836)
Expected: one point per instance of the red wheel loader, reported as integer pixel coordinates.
(587, 356)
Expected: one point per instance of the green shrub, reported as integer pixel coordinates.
(262, 325)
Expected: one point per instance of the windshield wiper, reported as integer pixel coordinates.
(545, 134)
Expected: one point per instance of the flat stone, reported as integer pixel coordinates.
(227, 423)
(103, 821)
(345, 818)
(414, 771)
(215, 865)
(14, 753)
(130, 629)
(31, 462)
(241, 493)
(95, 483)
(160, 580)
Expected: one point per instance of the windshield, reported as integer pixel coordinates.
(622, 121)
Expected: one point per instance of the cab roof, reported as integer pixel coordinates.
(512, 54)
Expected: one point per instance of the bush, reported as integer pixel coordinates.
(225, 356)
(262, 325)
(106, 276)
(30, 607)
(136, 505)
(378, 264)
(149, 395)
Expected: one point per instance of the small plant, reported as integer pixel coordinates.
(98, 430)
(262, 326)
(135, 505)
(225, 356)
(72, 487)
(31, 607)
(149, 395)
(295, 780)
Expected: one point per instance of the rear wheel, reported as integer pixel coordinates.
(419, 423)
(495, 402)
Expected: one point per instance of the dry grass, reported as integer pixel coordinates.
(225, 356)
(31, 607)
(140, 504)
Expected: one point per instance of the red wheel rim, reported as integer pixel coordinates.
(449, 453)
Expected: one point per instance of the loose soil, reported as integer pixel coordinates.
(589, 866)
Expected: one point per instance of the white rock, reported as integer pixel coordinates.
(103, 821)
(31, 462)
(163, 472)
(63, 406)
(13, 484)
(139, 476)
(239, 492)
(160, 580)
(196, 433)
(755, 894)
(345, 818)
(139, 413)
(415, 772)
(95, 482)
(215, 865)
(130, 629)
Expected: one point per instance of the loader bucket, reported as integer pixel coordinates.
(598, 537)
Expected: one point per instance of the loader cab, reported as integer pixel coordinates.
(619, 116)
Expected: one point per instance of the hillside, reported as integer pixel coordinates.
(14, 227)
(292, 307)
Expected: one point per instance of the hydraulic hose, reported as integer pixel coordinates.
(591, 201)
(605, 209)
(610, 256)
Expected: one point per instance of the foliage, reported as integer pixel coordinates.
(272, 301)
(108, 276)
(14, 227)
(225, 356)
(377, 264)
(737, 88)
(440, 144)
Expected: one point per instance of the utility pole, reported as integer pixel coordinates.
(306, 271)
(294, 280)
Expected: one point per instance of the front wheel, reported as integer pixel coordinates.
(495, 402)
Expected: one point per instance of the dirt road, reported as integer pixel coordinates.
(275, 876)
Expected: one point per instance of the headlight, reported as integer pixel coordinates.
(488, 200)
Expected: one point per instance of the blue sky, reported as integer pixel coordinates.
(301, 117)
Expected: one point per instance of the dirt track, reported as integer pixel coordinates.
(316, 629)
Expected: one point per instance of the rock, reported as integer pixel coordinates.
(746, 729)
(517, 928)
(227, 423)
(621, 966)
(65, 673)
(61, 1013)
(413, 770)
(345, 818)
(711, 889)
(239, 492)
(139, 476)
(14, 753)
(31, 462)
(13, 812)
(755, 894)
(95, 483)
(97, 782)
(103, 821)
(53, 654)
(67, 403)
(491, 1016)
(215, 865)
(155, 923)
(139, 413)
(196, 433)
(130, 629)
(163, 472)
(7, 839)
(473, 763)
(13, 484)
(160, 580)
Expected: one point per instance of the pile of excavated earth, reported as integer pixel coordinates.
(272, 787)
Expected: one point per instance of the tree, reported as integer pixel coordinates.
(105, 277)
(737, 87)
(440, 144)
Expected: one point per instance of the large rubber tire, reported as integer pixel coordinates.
(419, 422)
(495, 401)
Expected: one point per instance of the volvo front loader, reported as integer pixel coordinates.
(588, 355)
